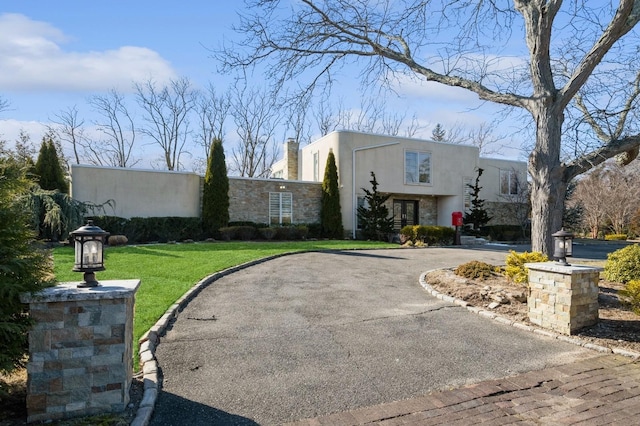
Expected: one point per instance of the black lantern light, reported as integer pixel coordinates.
(563, 246)
(89, 243)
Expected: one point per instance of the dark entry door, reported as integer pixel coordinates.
(405, 212)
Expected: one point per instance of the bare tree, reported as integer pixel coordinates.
(167, 116)
(70, 129)
(212, 109)
(393, 38)
(608, 196)
(119, 131)
(255, 114)
(325, 118)
(297, 109)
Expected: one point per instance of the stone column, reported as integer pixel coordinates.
(80, 350)
(563, 298)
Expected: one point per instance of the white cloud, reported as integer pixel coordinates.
(32, 58)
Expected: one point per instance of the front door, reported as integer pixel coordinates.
(405, 212)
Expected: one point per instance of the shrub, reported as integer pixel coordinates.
(615, 237)
(623, 265)
(515, 269)
(439, 235)
(245, 233)
(475, 270)
(267, 233)
(431, 235)
(407, 234)
(631, 293)
(301, 232)
(228, 233)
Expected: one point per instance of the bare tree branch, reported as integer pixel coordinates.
(166, 114)
(118, 128)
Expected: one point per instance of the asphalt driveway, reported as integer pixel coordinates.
(318, 333)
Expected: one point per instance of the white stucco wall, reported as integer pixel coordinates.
(385, 156)
(156, 194)
(490, 179)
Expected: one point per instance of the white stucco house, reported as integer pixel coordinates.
(427, 181)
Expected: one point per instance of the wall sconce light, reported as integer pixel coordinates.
(89, 250)
(283, 187)
(563, 246)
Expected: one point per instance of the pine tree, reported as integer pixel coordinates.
(215, 194)
(23, 267)
(374, 215)
(438, 133)
(48, 168)
(330, 213)
(478, 215)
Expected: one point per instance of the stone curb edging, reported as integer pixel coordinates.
(526, 327)
(148, 342)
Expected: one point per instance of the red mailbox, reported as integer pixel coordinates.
(456, 219)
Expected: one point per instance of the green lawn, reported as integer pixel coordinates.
(167, 271)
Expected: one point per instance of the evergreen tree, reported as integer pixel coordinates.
(374, 215)
(330, 214)
(438, 134)
(478, 215)
(23, 267)
(48, 168)
(215, 195)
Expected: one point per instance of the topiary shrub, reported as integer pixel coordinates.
(475, 270)
(515, 269)
(631, 293)
(439, 235)
(615, 237)
(623, 265)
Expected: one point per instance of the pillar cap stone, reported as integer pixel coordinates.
(69, 291)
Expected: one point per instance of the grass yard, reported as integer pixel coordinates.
(167, 271)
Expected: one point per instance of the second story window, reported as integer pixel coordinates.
(509, 182)
(417, 167)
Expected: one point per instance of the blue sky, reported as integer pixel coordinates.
(54, 55)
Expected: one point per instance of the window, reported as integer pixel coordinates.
(280, 208)
(508, 182)
(417, 167)
(316, 166)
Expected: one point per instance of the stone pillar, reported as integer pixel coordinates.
(80, 350)
(563, 298)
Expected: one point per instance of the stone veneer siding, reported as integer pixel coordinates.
(563, 298)
(81, 350)
(249, 199)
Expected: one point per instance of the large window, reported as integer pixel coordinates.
(417, 167)
(280, 208)
(508, 182)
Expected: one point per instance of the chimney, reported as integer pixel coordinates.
(291, 159)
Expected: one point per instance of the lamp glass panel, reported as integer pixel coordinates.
(92, 254)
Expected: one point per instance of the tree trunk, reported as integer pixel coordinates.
(548, 183)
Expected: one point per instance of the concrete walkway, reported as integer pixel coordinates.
(324, 334)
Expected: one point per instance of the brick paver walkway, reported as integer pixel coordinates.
(597, 391)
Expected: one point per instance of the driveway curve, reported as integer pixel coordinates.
(317, 333)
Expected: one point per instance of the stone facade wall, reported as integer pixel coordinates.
(562, 298)
(249, 199)
(81, 350)
(427, 207)
(291, 159)
(502, 213)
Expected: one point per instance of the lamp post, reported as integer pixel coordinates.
(563, 246)
(89, 249)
